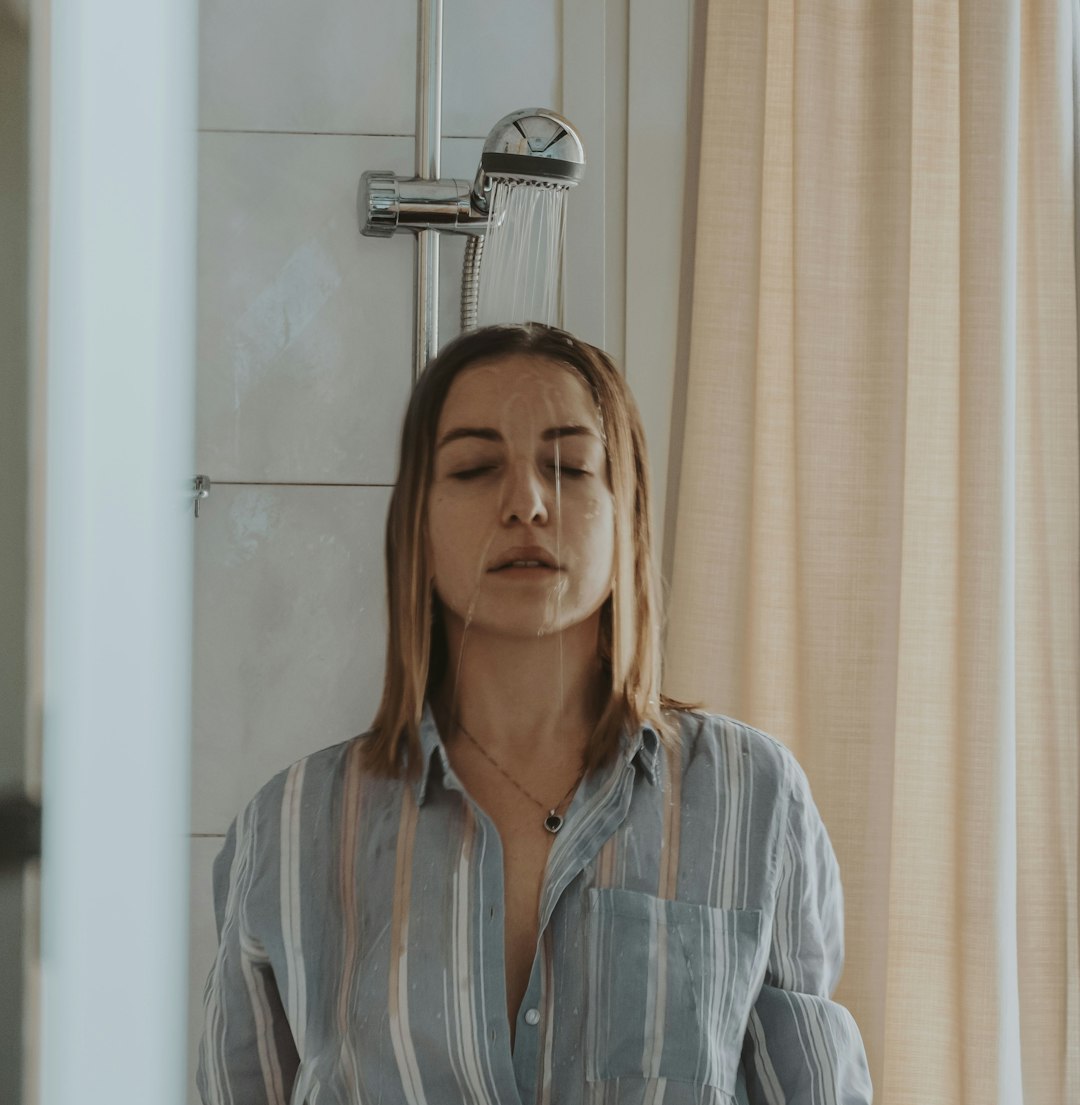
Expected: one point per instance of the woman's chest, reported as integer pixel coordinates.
(431, 947)
(525, 853)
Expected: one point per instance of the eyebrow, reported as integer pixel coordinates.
(486, 433)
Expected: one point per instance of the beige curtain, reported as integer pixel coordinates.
(876, 546)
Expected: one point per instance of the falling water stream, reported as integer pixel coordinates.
(520, 280)
(521, 271)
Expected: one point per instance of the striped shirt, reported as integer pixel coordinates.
(691, 933)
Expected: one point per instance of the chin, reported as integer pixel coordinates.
(529, 621)
(526, 616)
(525, 629)
(544, 626)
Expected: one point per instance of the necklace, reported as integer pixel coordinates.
(553, 822)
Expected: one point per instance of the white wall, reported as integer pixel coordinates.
(305, 331)
(113, 315)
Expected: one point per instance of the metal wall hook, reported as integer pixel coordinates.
(202, 488)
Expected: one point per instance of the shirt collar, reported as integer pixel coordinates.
(432, 752)
(642, 748)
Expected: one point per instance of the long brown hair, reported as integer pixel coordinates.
(630, 618)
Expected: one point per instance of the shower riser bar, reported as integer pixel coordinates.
(428, 158)
(535, 146)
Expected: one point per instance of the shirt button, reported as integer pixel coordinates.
(532, 1016)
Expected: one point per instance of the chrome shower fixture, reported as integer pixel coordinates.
(532, 147)
(535, 147)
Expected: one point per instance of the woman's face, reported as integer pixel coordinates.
(520, 518)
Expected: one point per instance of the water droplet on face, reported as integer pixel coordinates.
(526, 475)
(553, 609)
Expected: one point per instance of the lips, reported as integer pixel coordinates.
(524, 556)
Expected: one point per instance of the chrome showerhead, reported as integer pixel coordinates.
(534, 146)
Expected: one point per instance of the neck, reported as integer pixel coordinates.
(522, 697)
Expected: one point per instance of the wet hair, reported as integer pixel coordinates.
(629, 618)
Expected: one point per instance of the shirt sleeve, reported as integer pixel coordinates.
(247, 1055)
(801, 1048)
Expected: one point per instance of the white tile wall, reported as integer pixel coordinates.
(336, 66)
(318, 66)
(497, 58)
(289, 633)
(305, 326)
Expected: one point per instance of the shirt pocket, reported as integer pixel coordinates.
(670, 988)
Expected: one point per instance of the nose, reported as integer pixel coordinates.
(524, 496)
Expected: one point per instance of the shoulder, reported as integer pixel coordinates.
(300, 813)
(308, 784)
(707, 738)
(729, 765)
(757, 771)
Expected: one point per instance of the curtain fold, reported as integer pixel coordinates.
(877, 545)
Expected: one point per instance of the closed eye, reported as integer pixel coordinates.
(567, 470)
(472, 473)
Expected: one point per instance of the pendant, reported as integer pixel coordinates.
(553, 822)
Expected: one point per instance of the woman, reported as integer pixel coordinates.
(535, 878)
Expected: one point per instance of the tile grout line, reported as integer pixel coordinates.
(335, 134)
(290, 483)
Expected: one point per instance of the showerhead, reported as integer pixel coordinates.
(534, 146)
